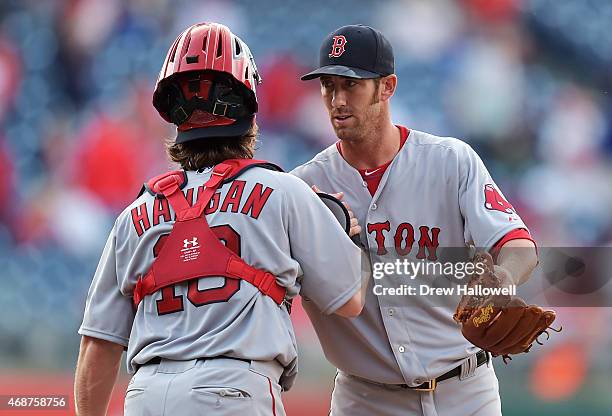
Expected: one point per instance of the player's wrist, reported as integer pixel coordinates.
(507, 278)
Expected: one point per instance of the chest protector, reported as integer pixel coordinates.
(192, 250)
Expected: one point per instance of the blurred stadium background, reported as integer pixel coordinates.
(525, 82)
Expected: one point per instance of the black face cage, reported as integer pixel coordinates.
(227, 97)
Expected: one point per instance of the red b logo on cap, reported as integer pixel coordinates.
(338, 46)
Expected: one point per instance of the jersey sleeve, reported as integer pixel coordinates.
(304, 172)
(516, 234)
(108, 313)
(330, 261)
(487, 213)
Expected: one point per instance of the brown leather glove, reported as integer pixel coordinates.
(500, 324)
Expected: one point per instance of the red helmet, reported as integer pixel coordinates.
(207, 84)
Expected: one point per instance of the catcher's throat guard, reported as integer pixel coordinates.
(192, 250)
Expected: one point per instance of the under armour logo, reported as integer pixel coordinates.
(338, 46)
(193, 242)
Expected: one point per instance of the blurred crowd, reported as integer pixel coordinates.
(525, 82)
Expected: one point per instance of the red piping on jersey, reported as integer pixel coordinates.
(192, 250)
(273, 399)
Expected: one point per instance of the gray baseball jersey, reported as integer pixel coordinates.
(274, 222)
(435, 193)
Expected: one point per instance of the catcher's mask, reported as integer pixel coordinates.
(207, 84)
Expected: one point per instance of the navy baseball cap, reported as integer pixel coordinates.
(354, 51)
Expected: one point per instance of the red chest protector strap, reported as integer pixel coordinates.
(192, 250)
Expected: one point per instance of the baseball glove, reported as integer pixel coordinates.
(501, 324)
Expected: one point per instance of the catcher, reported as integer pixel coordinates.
(197, 275)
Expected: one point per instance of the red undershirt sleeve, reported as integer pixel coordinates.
(516, 234)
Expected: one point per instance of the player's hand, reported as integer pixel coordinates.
(503, 324)
(355, 227)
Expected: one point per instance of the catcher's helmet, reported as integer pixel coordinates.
(207, 84)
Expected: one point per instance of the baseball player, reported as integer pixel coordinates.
(413, 193)
(198, 272)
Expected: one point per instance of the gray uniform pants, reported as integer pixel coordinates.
(476, 394)
(219, 386)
